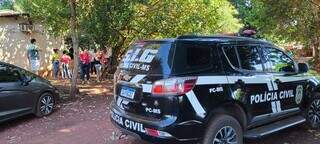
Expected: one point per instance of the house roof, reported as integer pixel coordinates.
(11, 13)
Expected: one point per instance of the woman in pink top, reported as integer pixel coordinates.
(65, 61)
(85, 65)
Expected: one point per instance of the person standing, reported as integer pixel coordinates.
(33, 56)
(92, 61)
(98, 65)
(85, 65)
(70, 53)
(55, 63)
(65, 61)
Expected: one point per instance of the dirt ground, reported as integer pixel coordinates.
(85, 120)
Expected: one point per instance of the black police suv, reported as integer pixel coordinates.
(22, 92)
(211, 89)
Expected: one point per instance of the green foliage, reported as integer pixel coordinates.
(6, 5)
(281, 20)
(115, 24)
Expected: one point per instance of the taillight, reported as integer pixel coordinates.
(173, 86)
(157, 133)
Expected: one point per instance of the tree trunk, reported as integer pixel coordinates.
(75, 45)
(315, 50)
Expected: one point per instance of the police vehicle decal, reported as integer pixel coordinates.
(128, 124)
(271, 96)
(196, 104)
(206, 80)
(276, 106)
(137, 78)
(137, 59)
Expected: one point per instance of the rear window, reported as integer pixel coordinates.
(148, 57)
(194, 56)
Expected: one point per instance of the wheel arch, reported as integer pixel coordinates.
(37, 99)
(312, 88)
(231, 108)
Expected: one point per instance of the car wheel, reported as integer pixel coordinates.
(313, 112)
(223, 129)
(45, 105)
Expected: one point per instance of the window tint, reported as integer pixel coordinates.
(277, 61)
(198, 56)
(250, 58)
(230, 51)
(194, 57)
(8, 74)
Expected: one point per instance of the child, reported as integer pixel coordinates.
(65, 61)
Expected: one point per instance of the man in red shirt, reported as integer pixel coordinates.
(85, 65)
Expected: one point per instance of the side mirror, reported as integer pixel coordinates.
(303, 67)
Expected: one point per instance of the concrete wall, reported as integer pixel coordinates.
(13, 43)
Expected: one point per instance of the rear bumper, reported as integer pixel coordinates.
(166, 130)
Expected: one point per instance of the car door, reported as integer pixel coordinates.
(286, 80)
(14, 98)
(249, 83)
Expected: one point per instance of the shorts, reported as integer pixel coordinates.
(35, 65)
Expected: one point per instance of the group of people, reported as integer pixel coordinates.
(95, 61)
(62, 62)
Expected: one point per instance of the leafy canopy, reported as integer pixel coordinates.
(281, 20)
(115, 24)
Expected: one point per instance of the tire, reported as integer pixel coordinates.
(312, 113)
(45, 105)
(217, 127)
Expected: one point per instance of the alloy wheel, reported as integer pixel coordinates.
(46, 105)
(314, 112)
(226, 135)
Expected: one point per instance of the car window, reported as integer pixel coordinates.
(9, 74)
(277, 61)
(250, 58)
(194, 57)
(244, 57)
(198, 56)
(230, 51)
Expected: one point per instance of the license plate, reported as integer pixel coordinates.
(127, 92)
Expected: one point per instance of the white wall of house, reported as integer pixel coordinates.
(14, 42)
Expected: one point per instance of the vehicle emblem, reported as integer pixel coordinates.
(299, 94)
